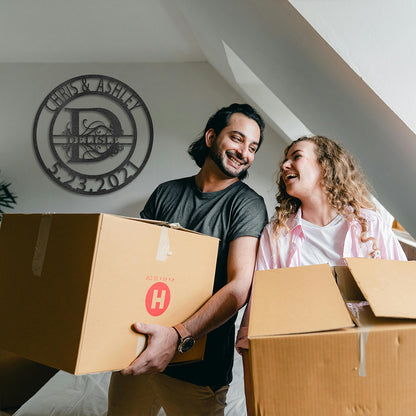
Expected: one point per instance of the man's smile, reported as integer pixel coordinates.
(236, 160)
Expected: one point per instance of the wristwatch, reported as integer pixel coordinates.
(185, 341)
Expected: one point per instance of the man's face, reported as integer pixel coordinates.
(234, 148)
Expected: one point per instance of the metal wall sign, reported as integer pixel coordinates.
(93, 134)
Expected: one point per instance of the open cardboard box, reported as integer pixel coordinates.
(72, 285)
(322, 348)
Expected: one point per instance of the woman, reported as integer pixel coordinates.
(324, 214)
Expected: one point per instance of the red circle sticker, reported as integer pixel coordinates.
(157, 299)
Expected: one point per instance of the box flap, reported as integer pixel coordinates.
(389, 286)
(296, 300)
(174, 225)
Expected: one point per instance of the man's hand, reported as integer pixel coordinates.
(161, 347)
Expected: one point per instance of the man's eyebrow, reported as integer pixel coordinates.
(238, 132)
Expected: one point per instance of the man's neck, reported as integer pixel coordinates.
(208, 180)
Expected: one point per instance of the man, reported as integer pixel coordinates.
(214, 202)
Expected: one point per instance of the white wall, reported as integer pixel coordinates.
(376, 38)
(180, 98)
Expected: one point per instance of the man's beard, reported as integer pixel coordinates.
(216, 156)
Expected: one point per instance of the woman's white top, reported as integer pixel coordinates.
(324, 244)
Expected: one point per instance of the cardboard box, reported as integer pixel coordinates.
(72, 285)
(310, 355)
(20, 379)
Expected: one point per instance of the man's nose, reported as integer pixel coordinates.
(243, 151)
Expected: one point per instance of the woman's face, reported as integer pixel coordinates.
(301, 171)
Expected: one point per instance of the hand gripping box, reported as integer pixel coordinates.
(318, 348)
(72, 285)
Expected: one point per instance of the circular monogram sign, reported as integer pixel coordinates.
(93, 134)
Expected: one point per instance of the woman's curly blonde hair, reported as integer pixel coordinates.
(342, 181)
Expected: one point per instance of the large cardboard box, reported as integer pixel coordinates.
(315, 350)
(71, 286)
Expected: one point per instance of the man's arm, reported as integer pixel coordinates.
(162, 341)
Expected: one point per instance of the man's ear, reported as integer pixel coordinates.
(210, 137)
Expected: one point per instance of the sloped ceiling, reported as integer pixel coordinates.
(376, 38)
(316, 85)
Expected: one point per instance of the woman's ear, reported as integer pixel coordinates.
(210, 137)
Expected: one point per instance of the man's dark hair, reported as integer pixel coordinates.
(198, 150)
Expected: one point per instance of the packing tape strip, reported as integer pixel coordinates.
(41, 244)
(364, 328)
(362, 341)
(163, 249)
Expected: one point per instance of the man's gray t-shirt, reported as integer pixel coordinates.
(233, 212)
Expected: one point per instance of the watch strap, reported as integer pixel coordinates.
(182, 332)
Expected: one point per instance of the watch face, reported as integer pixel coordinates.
(186, 344)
